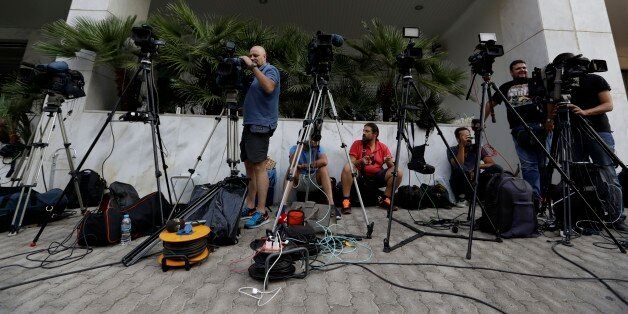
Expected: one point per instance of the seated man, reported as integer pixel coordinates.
(312, 165)
(369, 156)
(465, 153)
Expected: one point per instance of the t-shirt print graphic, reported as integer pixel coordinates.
(518, 95)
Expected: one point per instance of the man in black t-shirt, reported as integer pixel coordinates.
(592, 100)
(521, 93)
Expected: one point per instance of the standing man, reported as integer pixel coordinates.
(261, 112)
(518, 93)
(592, 100)
(369, 156)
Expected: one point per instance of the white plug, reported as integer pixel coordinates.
(255, 291)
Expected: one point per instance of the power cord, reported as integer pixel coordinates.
(259, 294)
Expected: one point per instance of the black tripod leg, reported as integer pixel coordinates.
(477, 170)
(401, 120)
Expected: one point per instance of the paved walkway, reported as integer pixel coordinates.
(213, 285)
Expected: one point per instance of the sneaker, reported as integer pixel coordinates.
(346, 206)
(384, 202)
(247, 213)
(338, 214)
(258, 219)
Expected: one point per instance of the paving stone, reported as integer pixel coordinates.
(213, 286)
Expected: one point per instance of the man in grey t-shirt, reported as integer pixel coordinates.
(261, 112)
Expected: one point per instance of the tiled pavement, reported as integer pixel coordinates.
(213, 285)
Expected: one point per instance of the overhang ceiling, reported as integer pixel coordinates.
(337, 16)
(32, 14)
(617, 13)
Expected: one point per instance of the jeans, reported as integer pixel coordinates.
(585, 148)
(532, 159)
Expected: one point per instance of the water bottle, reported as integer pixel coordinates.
(126, 230)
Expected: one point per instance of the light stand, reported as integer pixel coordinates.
(402, 109)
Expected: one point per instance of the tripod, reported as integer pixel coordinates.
(402, 110)
(562, 150)
(569, 185)
(316, 108)
(151, 117)
(29, 169)
(233, 149)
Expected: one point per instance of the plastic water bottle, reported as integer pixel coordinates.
(126, 230)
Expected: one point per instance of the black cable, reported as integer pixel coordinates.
(601, 280)
(57, 275)
(431, 291)
(188, 249)
(469, 267)
(113, 145)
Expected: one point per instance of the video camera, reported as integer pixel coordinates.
(481, 61)
(55, 77)
(563, 76)
(320, 54)
(144, 38)
(230, 69)
(407, 58)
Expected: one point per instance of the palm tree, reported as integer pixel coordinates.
(18, 101)
(378, 50)
(191, 54)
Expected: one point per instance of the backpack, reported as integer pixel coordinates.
(102, 227)
(426, 196)
(222, 212)
(91, 186)
(35, 211)
(508, 206)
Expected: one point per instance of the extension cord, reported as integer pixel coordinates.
(272, 245)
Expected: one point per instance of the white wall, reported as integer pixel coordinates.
(184, 136)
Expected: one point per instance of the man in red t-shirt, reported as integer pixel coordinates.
(369, 156)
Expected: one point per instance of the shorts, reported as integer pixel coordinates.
(377, 180)
(254, 146)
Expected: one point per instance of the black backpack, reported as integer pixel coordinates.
(91, 186)
(508, 207)
(426, 196)
(102, 227)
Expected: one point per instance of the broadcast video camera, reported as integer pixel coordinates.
(320, 54)
(482, 59)
(144, 38)
(230, 69)
(562, 76)
(407, 58)
(54, 77)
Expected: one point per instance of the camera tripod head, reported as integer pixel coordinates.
(144, 38)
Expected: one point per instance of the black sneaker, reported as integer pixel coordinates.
(338, 214)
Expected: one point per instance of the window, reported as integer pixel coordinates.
(11, 53)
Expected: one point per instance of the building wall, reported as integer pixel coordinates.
(537, 31)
